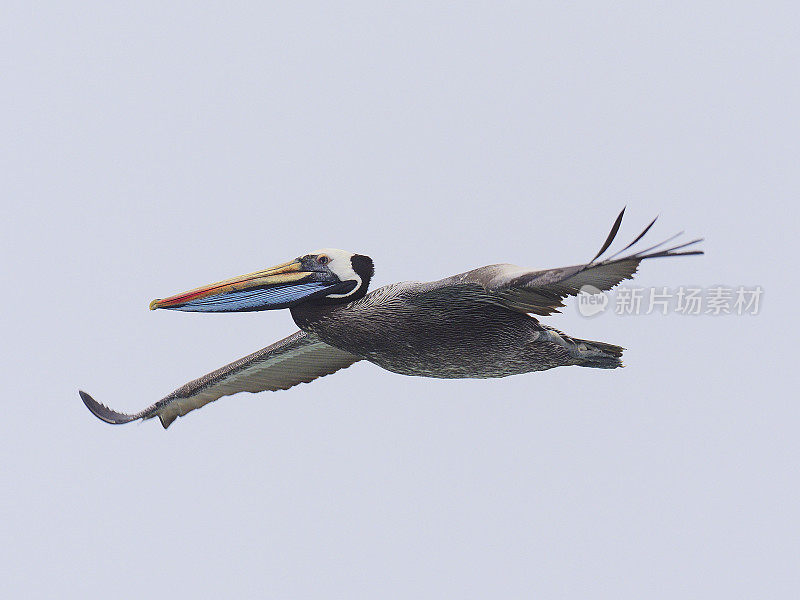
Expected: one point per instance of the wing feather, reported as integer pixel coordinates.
(299, 358)
(542, 292)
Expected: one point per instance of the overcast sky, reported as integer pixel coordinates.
(148, 149)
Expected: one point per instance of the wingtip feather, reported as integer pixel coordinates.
(611, 235)
(102, 412)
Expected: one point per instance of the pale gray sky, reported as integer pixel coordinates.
(148, 149)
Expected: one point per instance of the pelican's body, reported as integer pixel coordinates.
(423, 329)
(478, 324)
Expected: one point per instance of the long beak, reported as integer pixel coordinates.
(279, 287)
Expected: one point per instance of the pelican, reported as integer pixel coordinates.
(478, 324)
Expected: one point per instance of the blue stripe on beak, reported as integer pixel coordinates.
(280, 296)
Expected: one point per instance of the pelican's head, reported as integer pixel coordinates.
(328, 275)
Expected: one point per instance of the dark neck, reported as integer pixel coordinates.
(307, 314)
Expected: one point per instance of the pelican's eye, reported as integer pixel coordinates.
(323, 259)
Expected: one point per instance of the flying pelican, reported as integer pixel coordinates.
(477, 324)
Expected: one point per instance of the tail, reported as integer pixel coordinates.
(599, 355)
(587, 353)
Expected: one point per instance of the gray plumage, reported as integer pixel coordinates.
(478, 324)
(444, 330)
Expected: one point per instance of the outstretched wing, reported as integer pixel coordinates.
(299, 358)
(541, 292)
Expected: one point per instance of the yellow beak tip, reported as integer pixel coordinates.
(154, 304)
